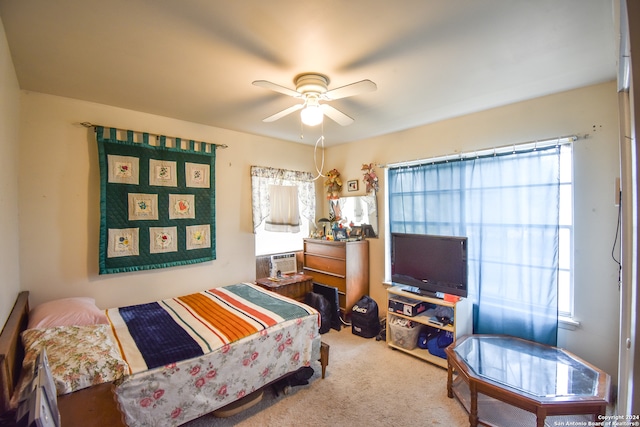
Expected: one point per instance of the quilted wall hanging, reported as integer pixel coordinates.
(157, 202)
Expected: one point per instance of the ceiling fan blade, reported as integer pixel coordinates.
(336, 115)
(352, 89)
(277, 88)
(283, 113)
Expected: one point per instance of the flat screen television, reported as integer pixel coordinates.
(430, 263)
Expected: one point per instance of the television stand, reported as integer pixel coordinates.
(462, 321)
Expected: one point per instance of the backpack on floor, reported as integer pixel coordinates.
(323, 306)
(364, 318)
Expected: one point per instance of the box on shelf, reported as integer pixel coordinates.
(404, 332)
(408, 307)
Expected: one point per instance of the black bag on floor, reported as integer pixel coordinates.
(364, 318)
(323, 306)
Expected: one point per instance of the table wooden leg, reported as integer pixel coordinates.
(449, 380)
(473, 410)
(324, 357)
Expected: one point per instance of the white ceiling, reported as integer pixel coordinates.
(195, 59)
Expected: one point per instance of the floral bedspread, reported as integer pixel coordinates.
(237, 339)
(78, 356)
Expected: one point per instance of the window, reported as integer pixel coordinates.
(267, 182)
(515, 207)
(272, 242)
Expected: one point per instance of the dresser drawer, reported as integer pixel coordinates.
(330, 265)
(334, 250)
(327, 279)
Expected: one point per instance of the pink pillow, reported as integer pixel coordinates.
(79, 311)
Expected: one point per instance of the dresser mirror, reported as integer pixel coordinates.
(359, 210)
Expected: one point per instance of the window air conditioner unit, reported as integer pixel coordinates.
(283, 264)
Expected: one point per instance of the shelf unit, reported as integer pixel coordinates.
(462, 321)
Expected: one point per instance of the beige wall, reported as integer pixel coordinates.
(59, 202)
(591, 111)
(9, 241)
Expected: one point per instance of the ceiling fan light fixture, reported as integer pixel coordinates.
(312, 87)
(312, 114)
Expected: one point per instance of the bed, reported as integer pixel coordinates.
(235, 340)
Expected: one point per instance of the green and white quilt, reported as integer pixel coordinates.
(157, 202)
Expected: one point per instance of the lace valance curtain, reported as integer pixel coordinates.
(265, 181)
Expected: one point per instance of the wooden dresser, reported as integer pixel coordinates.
(343, 265)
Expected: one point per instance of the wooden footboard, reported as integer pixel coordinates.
(90, 407)
(12, 352)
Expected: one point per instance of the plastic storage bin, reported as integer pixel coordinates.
(404, 332)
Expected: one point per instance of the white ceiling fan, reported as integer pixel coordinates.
(312, 89)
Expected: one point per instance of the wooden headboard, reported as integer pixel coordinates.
(11, 350)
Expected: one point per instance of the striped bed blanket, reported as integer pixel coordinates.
(191, 355)
(159, 333)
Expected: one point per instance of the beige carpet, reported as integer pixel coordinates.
(367, 383)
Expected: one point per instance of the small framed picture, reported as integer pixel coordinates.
(352, 185)
(367, 230)
(356, 232)
(340, 234)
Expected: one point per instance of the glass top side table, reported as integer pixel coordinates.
(530, 367)
(538, 378)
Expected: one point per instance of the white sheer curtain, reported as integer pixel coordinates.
(264, 180)
(508, 208)
(285, 215)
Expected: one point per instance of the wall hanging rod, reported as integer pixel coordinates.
(157, 136)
